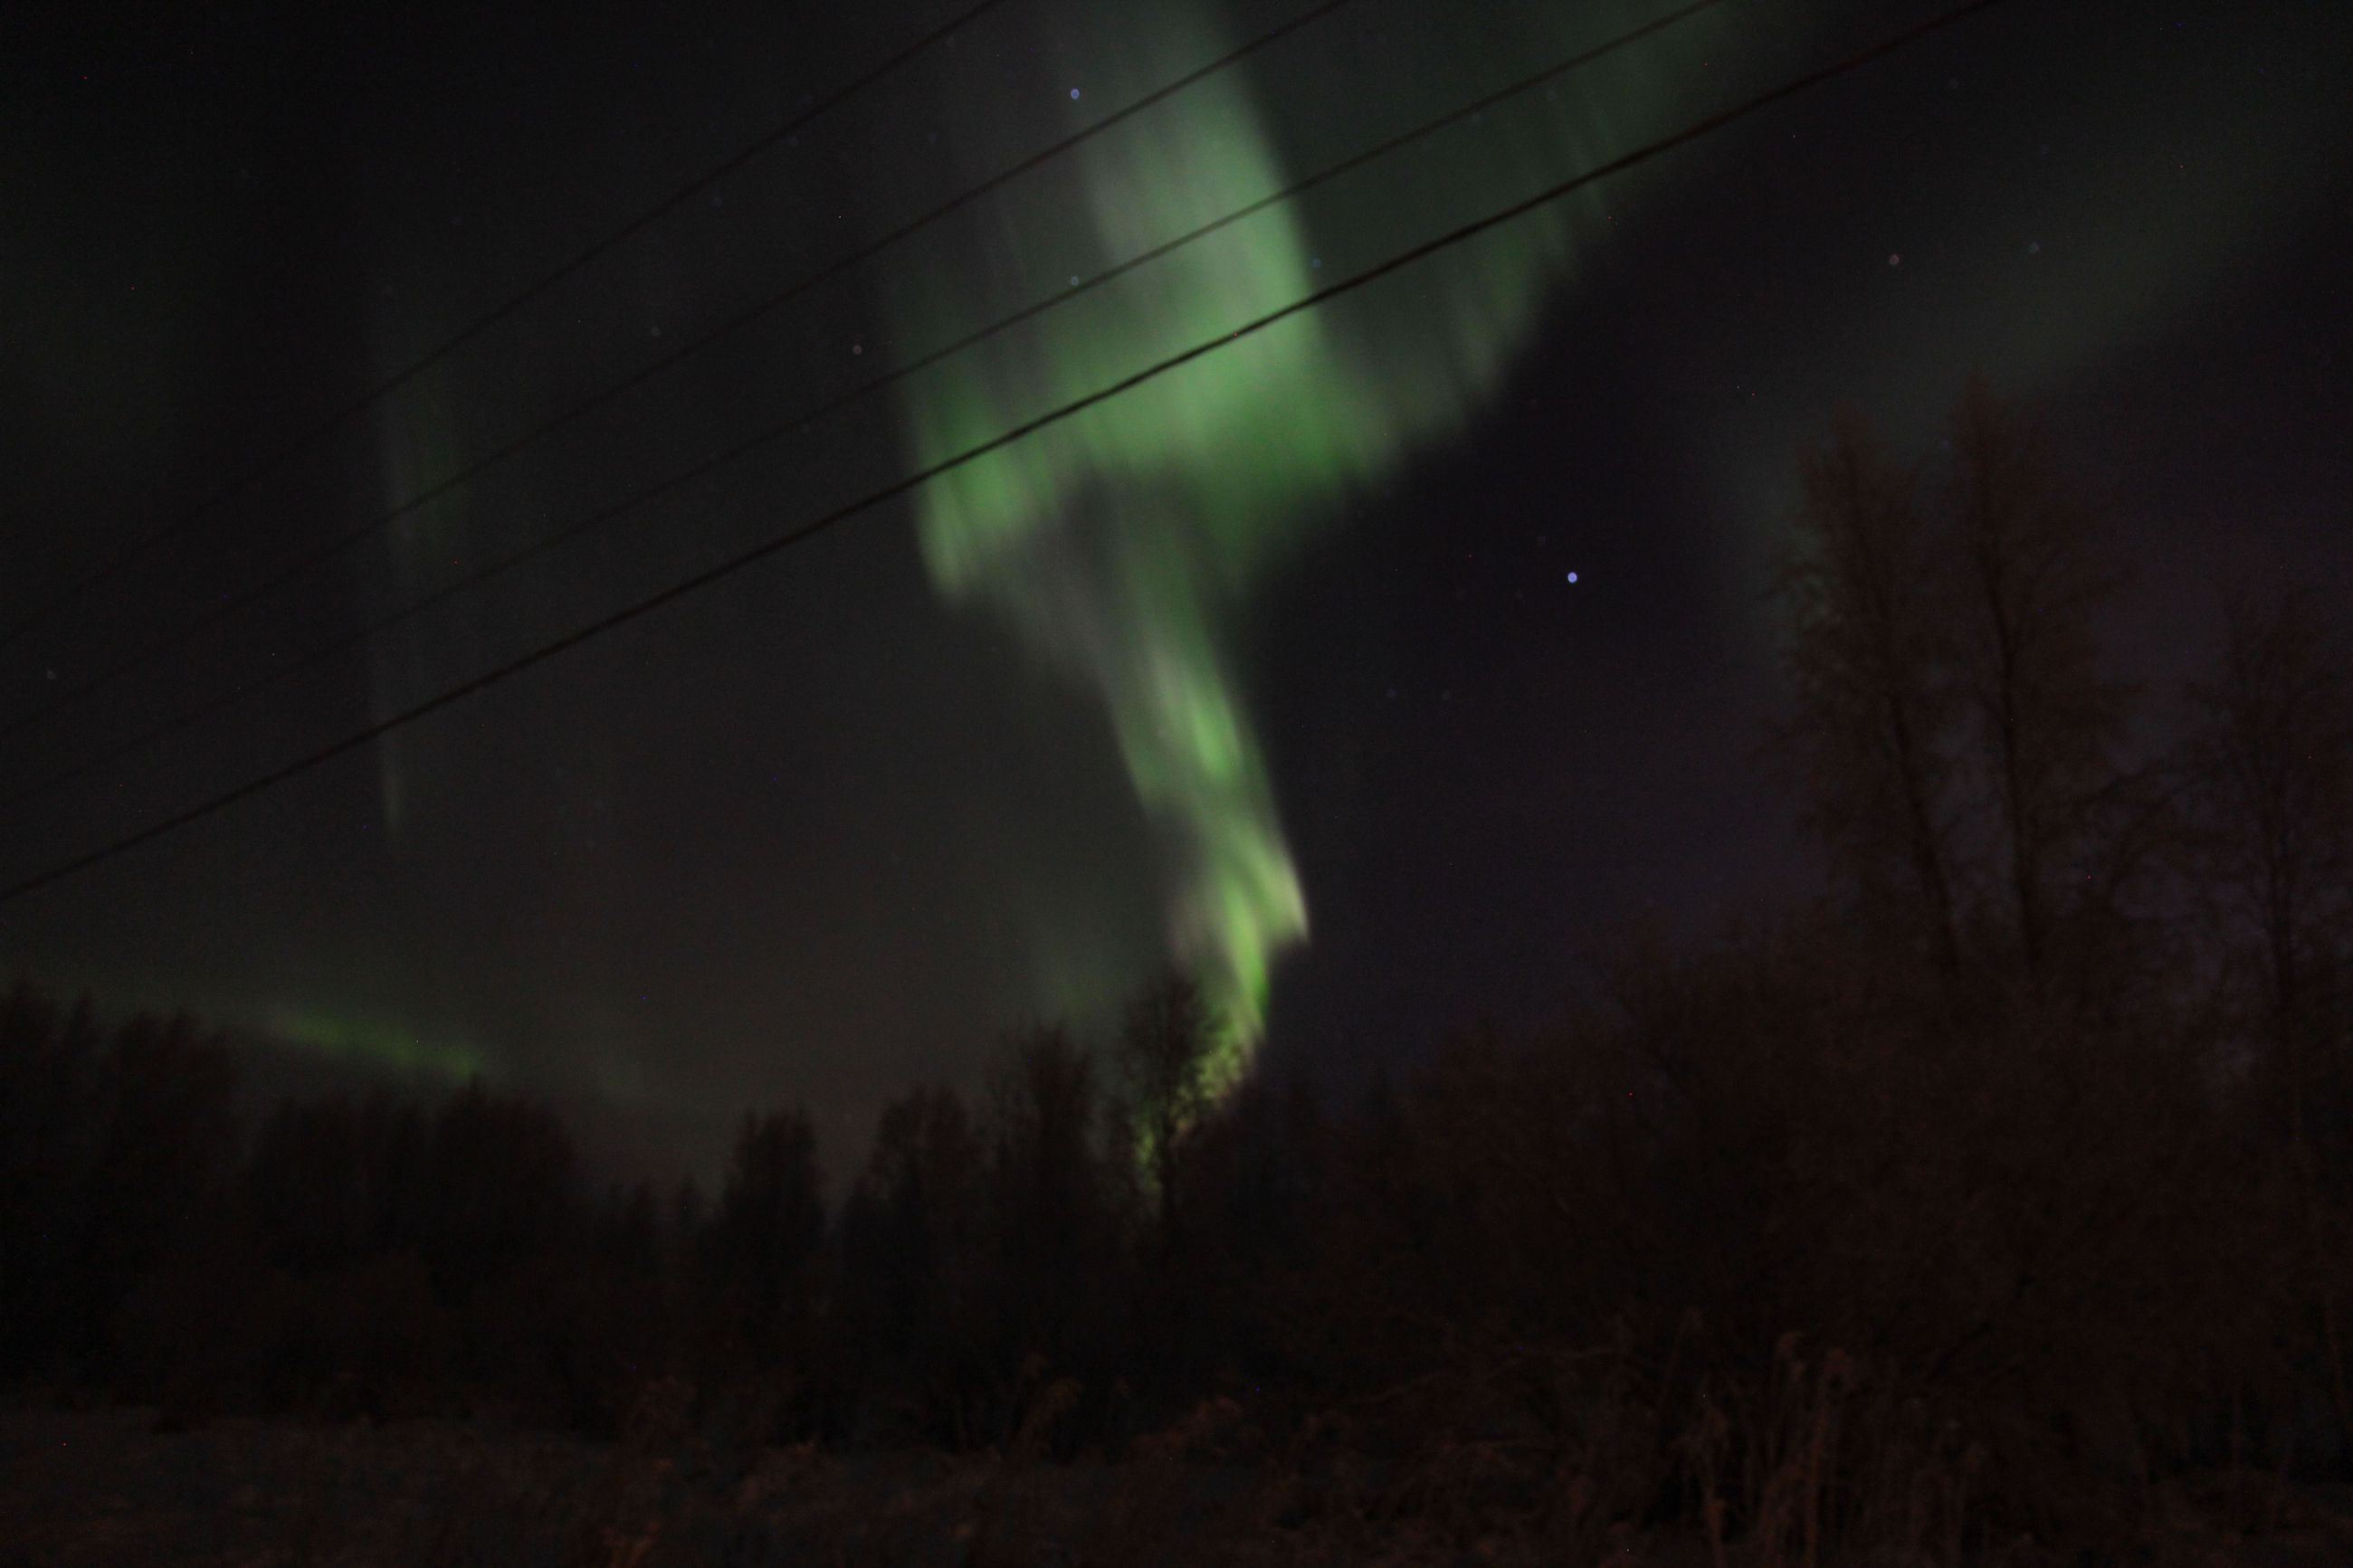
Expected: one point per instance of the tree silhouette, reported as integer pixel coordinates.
(2271, 759)
(760, 1251)
(1961, 739)
(52, 1129)
(910, 1262)
(1870, 658)
(167, 1161)
(496, 1188)
(1053, 1288)
(311, 1186)
(2271, 754)
(2048, 722)
(1164, 1063)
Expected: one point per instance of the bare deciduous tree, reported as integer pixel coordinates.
(2031, 585)
(1869, 655)
(2272, 756)
(1164, 1060)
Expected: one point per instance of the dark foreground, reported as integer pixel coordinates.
(107, 1486)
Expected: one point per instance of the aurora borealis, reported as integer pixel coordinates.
(1270, 667)
(1120, 543)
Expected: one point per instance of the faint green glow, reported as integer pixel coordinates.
(370, 1043)
(1123, 543)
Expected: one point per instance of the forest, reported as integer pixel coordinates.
(2003, 1191)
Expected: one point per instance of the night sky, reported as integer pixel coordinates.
(1275, 665)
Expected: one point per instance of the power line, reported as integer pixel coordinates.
(481, 324)
(610, 512)
(777, 542)
(221, 610)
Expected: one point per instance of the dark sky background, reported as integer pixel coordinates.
(796, 839)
